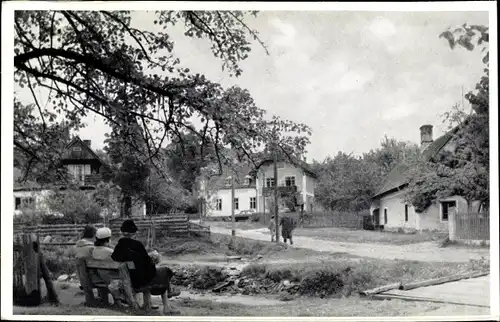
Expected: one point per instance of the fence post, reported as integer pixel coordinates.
(452, 226)
(31, 265)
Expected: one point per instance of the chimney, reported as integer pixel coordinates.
(87, 142)
(425, 136)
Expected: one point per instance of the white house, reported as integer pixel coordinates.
(388, 206)
(86, 170)
(253, 188)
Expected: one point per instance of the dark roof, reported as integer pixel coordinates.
(68, 154)
(398, 177)
(294, 161)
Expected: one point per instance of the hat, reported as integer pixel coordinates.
(129, 226)
(103, 233)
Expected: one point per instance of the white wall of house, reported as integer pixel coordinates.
(433, 218)
(305, 183)
(38, 198)
(243, 195)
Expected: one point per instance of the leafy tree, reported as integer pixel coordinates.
(391, 153)
(346, 183)
(37, 146)
(185, 157)
(465, 172)
(98, 62)
(76, 206)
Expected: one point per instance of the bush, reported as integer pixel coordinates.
(60, 261)
(254, 270)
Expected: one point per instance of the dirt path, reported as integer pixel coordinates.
(426, 251)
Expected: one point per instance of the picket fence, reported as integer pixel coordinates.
(472, 226)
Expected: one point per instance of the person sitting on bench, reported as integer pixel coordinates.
(103, 251)
(84, 246)
(145, 272)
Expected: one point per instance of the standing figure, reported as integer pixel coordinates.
(272, 228)
(287, 225)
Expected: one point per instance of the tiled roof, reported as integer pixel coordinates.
(296, 162)
(398, 176)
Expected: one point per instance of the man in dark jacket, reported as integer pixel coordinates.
(287, 224)
(145, 272)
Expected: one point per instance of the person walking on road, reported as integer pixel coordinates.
(287, 224)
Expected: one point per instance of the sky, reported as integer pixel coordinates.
(353, 77)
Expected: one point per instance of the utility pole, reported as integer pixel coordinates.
(233, 230)
(275, 157)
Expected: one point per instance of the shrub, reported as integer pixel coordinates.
(60, 261)
(254, 270)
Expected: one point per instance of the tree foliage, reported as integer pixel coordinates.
(38, 146)
(347, 182)
(465, 171)
(98, 62)
(76, 206)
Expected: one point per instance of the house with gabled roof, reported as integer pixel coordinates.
(85, 169)
(389, 208)
(253, 187)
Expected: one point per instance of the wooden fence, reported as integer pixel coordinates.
(177, 225)
(321, 219)
(472, 226)
(334, 219)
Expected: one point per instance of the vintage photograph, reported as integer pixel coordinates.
(249, 163)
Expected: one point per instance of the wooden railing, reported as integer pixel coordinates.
(171, 225)
(167, 225)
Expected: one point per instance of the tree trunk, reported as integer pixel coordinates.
(469, 207)
(126, 209)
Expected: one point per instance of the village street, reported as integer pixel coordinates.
(426, 251)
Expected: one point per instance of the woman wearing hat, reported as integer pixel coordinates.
(103, 251)
(145, 272)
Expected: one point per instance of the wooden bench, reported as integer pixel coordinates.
(87, 271)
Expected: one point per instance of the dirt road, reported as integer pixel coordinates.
(426, 251)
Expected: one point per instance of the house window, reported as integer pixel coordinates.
(385, 216)
(228, 181)
(27, 202)
(236, 204)
(289, 181)
(17, 203)
(248, 180)
(218, 204)
(77, 148)
(253, 202)
(406, 213)
(281, 165)
(446, 208)
(269, 182)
